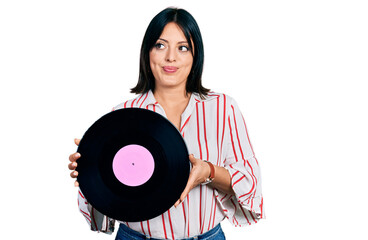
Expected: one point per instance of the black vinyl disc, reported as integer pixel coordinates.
(134, 164)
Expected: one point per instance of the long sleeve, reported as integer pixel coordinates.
(96, 220)
(246, 207)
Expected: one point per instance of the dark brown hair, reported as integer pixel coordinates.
(188, 25)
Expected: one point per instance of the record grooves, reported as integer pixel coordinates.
(146, 150)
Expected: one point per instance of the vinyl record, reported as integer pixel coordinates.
(134, 164)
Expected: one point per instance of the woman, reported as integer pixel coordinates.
(228, 184)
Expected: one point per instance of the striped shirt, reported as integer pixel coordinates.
(214, 130)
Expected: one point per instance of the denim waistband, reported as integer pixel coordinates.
(123, 229)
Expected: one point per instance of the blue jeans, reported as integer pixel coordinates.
(125, 233)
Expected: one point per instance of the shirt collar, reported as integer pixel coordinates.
(148, 98)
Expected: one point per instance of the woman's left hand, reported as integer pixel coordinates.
(199, 173)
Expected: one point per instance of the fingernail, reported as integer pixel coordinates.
(74, 164)
(77, 155)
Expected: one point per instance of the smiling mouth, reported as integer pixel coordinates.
(170, 69)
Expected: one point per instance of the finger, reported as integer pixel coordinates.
(177, 203)
(72, 165)
(182, 197)
(74, 174)
(192, 159)
(76, 141)
(74, 157)
(188, 187)
(76, 184)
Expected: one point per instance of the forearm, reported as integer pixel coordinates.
(222, 180)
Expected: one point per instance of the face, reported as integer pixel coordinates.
(171, 59)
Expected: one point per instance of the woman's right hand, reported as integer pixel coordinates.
(73, 163)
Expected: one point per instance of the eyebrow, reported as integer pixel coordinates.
(168, 41)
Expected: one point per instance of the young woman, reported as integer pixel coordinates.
(171, 64)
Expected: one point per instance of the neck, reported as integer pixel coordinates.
(171, 96)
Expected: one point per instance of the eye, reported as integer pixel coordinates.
(184, 48)
(159, 46)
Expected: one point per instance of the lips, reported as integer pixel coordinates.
(170, 69)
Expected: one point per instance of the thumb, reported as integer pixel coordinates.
(192, 159)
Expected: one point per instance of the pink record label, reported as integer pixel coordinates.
(133, 165)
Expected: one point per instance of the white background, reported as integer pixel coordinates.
(298, 70)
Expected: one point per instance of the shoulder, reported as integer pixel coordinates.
(130, 103)
(216, 97)
(217, 102)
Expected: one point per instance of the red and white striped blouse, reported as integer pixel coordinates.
(214, 130)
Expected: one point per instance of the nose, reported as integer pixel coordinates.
(171, 55)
